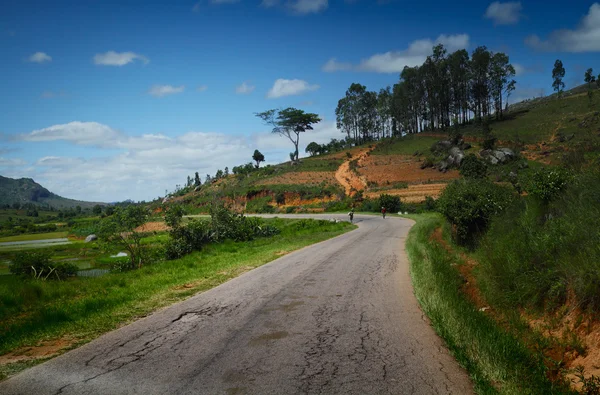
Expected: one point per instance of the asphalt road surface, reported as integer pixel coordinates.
(338, 317)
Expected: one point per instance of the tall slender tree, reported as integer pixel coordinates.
(558, 73)
(589, 79)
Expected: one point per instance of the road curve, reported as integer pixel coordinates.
(338, 317)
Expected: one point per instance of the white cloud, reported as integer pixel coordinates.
(11, 162)
(519, 69)
(147, 164)
(394, 61)
(585, 38)
(40, 57)
(308, 6)
(504, 13)
(244, 88)
(283, 87)
(269, 3)
(112, 58)
(202, 88)
(164, 90)
(333, 65)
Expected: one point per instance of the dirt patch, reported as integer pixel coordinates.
(301, 177)
(349, 179)
(381, 169)
(41, 351)
(152, 227)
(415, 193)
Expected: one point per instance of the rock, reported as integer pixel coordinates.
(91, 238)
(465, 146)
(456, 156)
(441, 146)
(523, 165)
(443, 166)
(500, 155)
(119, 255)
(166, 199)
(197, 188)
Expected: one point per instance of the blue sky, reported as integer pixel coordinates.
(107, 100)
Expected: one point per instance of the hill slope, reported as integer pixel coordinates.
(25, 190)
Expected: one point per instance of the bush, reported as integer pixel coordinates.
(548, 183)
(473, 167)
(530, 258)
(469, 205)
(391, 203)
(489, 143)
(38, 265)
(430, 203)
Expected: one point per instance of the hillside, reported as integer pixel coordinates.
(548, 131)
(26, 191)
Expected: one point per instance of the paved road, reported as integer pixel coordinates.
(338, 317)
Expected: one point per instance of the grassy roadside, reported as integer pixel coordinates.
(71, 313)
(496, 360)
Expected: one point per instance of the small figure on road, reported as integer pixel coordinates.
(351, 215)
(383, 210)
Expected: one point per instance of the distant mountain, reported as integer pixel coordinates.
(25, 190)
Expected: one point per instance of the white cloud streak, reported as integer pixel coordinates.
(112, 58)
(283, 87)
(165, 90)
(40, 57)
(395, 61)
(148, 164)
(244, 89)
(585, 38)
(303, 7)
(504, 13)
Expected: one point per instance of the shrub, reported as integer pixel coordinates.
(38, 265)
(489, 143)
(391, 203)
(473, 167)
(528, 261)
(548, 183)
(469, 205)
(290, 209)
(430, 203)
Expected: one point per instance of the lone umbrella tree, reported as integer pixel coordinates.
(289, 122)
(258, 157)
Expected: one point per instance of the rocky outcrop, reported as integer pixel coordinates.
(91, 238)
(497, 156)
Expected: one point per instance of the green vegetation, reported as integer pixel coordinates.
(497, 361)
(545, 247)
(83, 308)
(408, 145)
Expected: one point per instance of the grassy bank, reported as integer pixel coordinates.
(35, 236)
(81, 309)
(497, 361)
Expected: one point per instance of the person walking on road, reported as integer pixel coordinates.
(383, 210)
(351, 215)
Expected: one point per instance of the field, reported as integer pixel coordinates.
(35, 236)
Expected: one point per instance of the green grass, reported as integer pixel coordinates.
(84, 308)
(407, 145)
(35, 236)
(497, 361)
(539, 121)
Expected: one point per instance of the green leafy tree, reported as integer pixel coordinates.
(590, 79)
(289, 122)
(313, 149)
(97, 209)
(120, 230)
(558, 73)
(258, 157)
(473, 167)
(197, 181)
